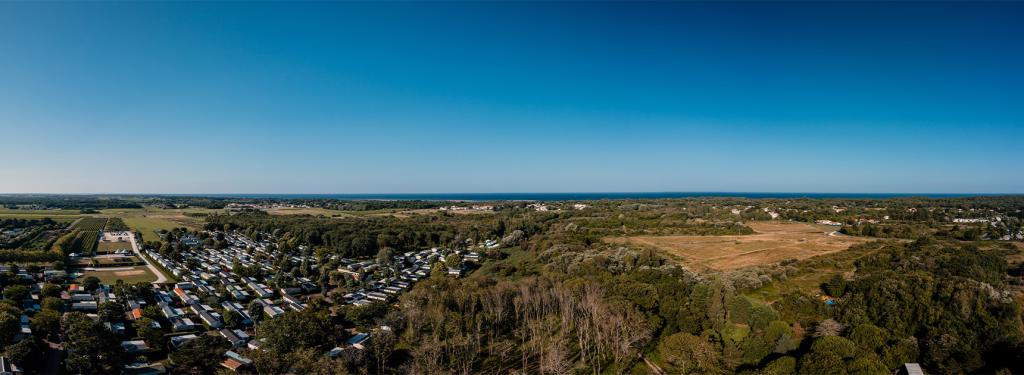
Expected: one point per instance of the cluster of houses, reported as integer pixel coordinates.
(210, 298)
(402, 272)
(208, 272)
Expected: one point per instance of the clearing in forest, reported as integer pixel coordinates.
(772, 242)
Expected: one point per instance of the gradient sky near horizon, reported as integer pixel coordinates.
(392, 97)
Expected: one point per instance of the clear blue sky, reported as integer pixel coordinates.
(511, 97)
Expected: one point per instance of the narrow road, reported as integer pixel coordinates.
(652, 366)
(160, 277)
(54, 355)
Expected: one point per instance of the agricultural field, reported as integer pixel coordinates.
(772, 242)
(56, 215)
(95, 224)
(85, 242)
(130, 275)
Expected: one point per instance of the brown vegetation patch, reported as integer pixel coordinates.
(773, 242)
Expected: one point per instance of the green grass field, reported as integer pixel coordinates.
(148, 226)
(58, 215)
(136, 275)
(105, 247)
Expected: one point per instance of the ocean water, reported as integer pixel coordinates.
(582, 196)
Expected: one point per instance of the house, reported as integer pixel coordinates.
(134, 346)
(232, 337)
(178, 341)
(117, 327)
(84, 306)
(55, 275)
(358, 340)
(9, 368)
(238, 357)
(144, 368)
(911, 369)
(255, 345)
(206, 316)
(271, 310)
(182, 324)
(232, 364)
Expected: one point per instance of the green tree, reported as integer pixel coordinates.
(10, 326)
(50, 290)
(308, 328)
(232, 319)
(52, 303)
(255, 310)
(21, 352)
(111, 311)
(780, 366)
(46, 324)
(868, 337)
(153, 336)
(201, 355)
(686, 353)
(868, 365)
(16, 293)
(90, 346)
(91, 283)
(385, 256)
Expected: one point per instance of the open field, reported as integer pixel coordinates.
(773, 242)
(57, 215)
(147, 221)
(308, 211)
(129, 275)
(105, 247)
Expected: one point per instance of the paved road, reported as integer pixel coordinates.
(160, 278)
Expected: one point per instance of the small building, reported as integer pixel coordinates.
(134, 346)
(232, 337)
(9, 368)
(911, 369)
(358, 340)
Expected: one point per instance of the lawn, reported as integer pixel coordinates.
(148, 226)
(773, 242)
(135, 275)
(106, 247)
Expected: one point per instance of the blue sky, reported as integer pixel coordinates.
(511, 97)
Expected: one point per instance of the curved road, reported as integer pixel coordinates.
(160, 278)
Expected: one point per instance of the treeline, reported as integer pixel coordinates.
(366, 236)
(887, 230)
(939, 304)
(69, 202)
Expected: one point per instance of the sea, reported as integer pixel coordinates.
(585, 196)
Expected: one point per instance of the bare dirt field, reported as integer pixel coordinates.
(773, 242)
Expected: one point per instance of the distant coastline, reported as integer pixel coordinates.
(583, 196)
